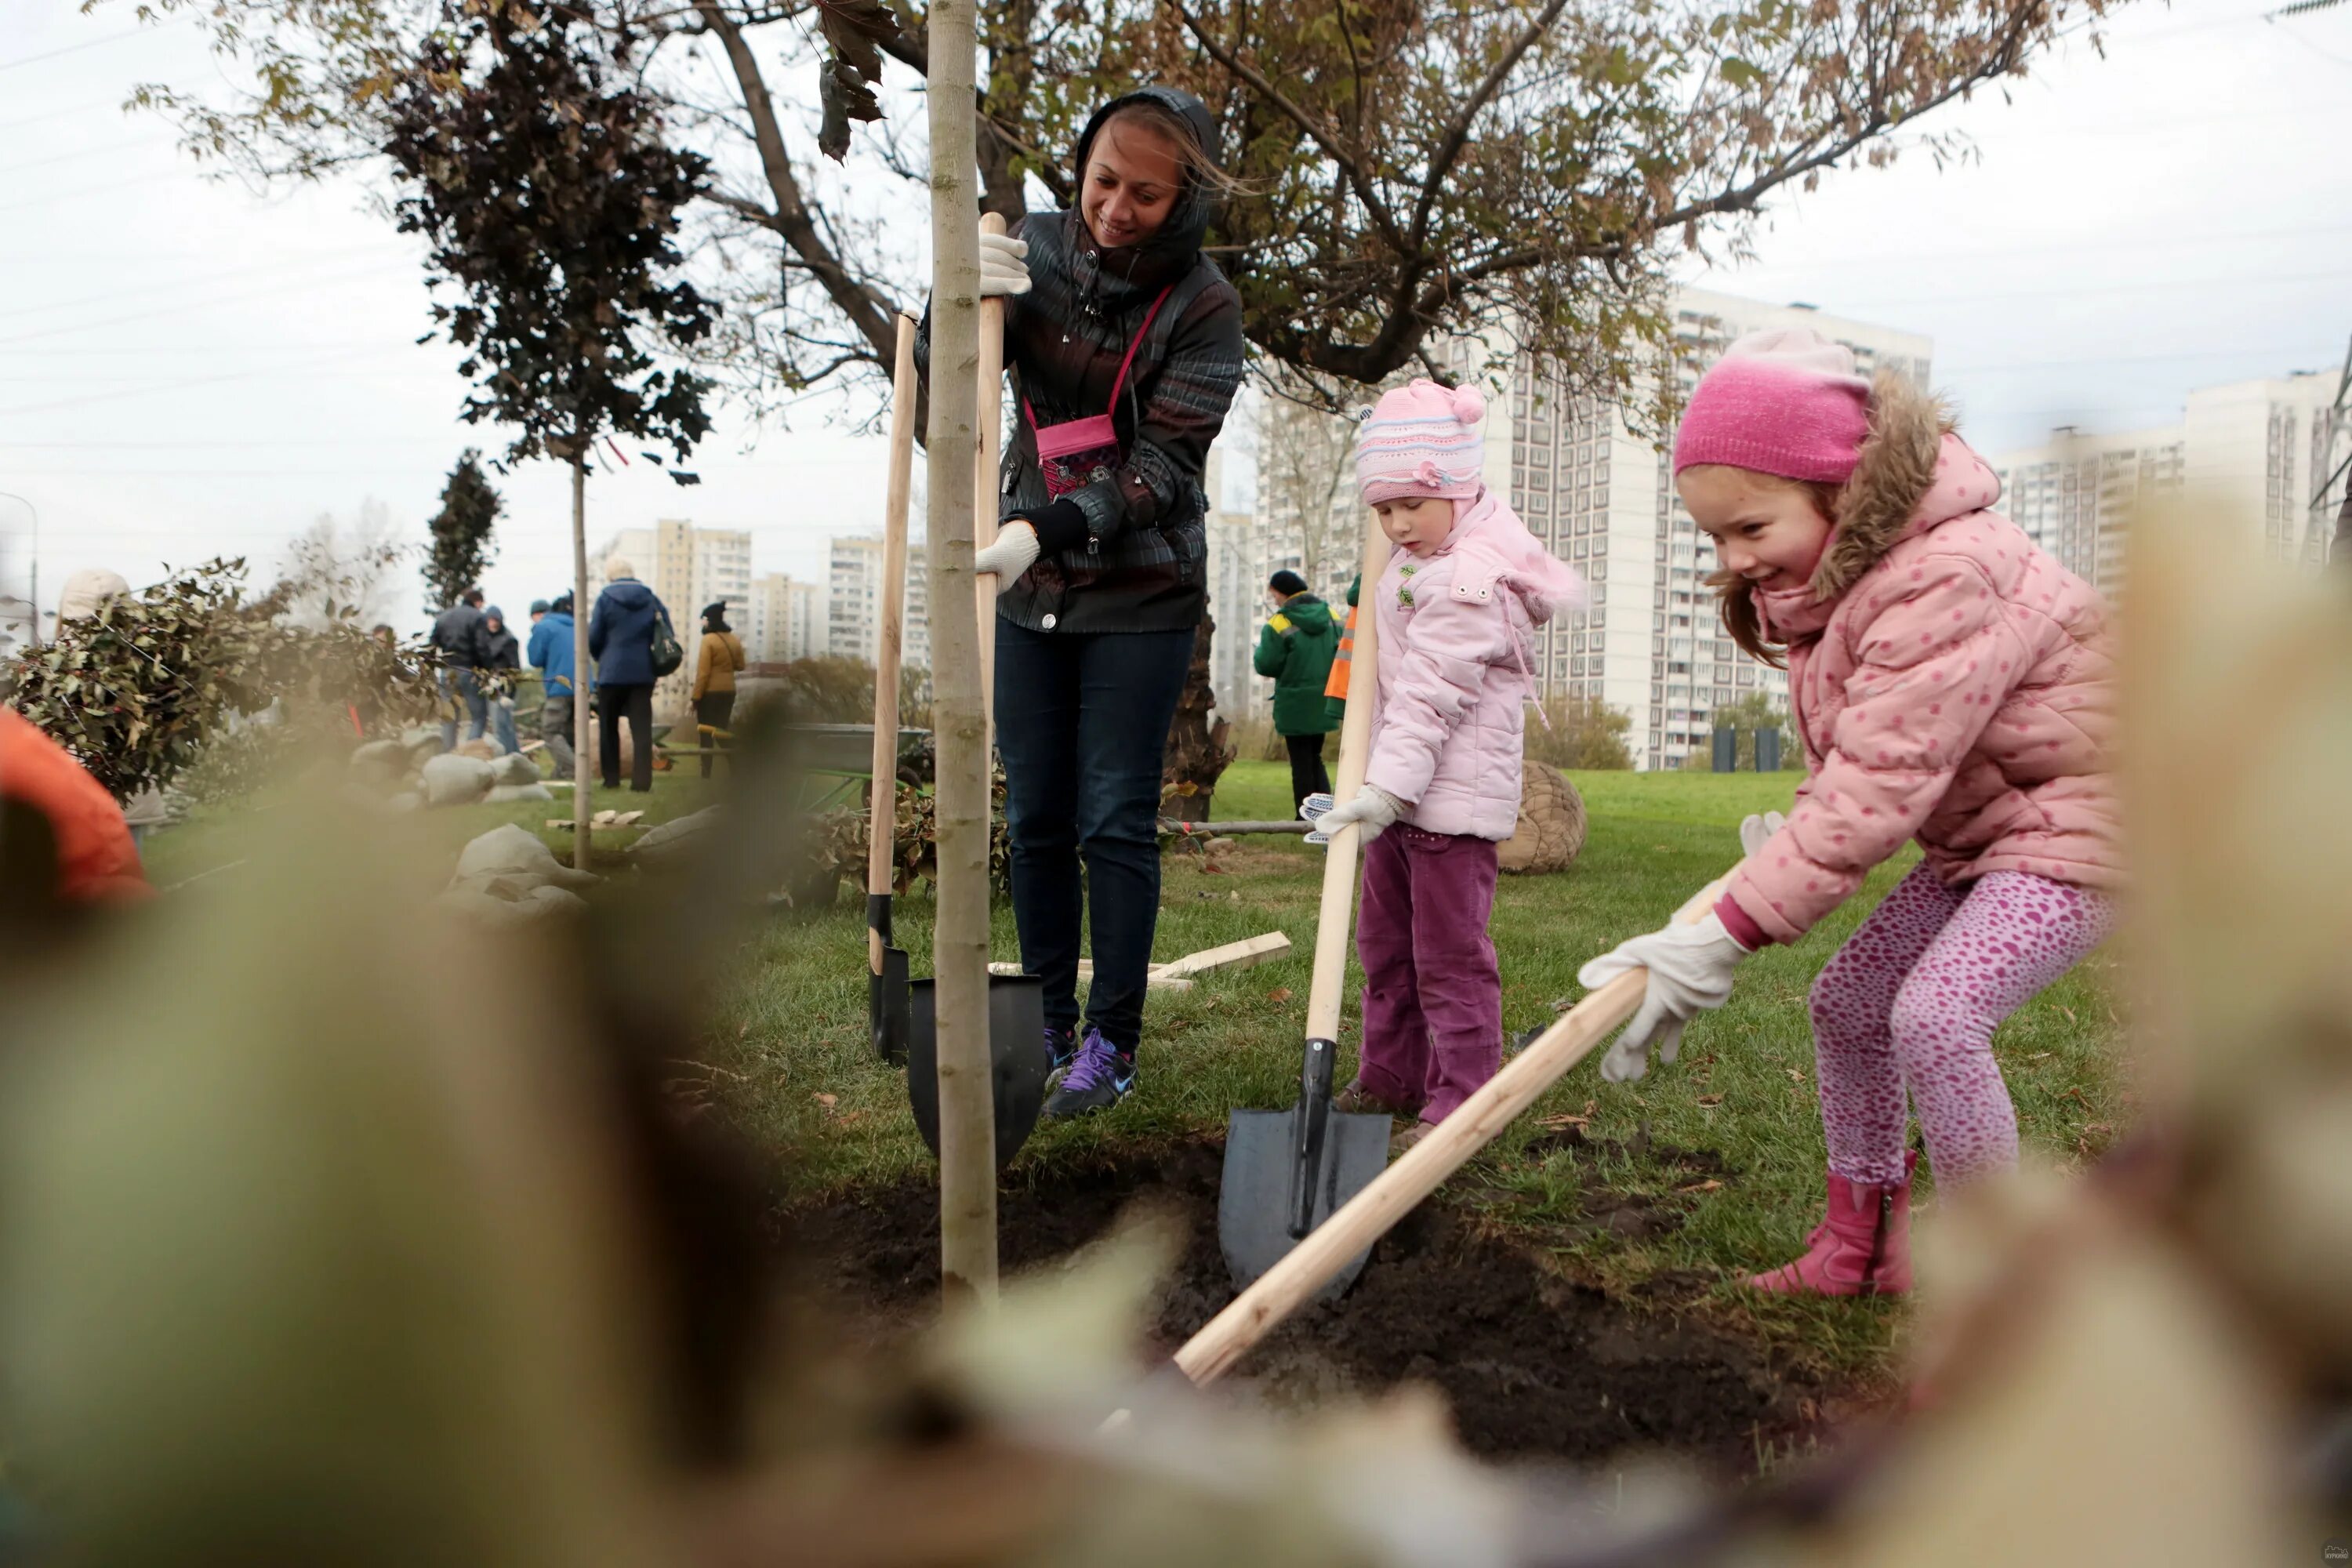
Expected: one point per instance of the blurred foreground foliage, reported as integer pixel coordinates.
(332, 1232)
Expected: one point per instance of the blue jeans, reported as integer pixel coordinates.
(1082, 722)
(466, 687)
(502, 724)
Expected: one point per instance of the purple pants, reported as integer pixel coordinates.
(1432, 996)
(1911, 1001)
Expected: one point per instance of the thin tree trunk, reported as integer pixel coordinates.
(582, 725)
(959, 725)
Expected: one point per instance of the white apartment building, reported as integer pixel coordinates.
(686, 567)
(1245, 548)
(854, 602)
(786, 622)
(2074, 494)
(2265, 454)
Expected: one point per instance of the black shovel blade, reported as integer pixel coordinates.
(1254, 1214)
(1016, 1051)
(889, 1008)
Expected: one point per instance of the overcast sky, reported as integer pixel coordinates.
(187, 369)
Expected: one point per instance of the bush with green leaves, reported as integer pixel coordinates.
(137, 689)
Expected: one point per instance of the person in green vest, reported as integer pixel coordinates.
(1295, 648)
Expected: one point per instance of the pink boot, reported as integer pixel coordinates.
(1863, 1248)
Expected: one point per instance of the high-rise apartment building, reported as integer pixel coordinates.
(854, 603)
(786, 620)
(1599, 490)
(686, 567)
(2262, 454)
(2074, 494)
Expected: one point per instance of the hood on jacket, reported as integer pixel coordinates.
(1169, 254)
(1493, 535)
(1896, 470)
(629, 593)
(1308, 613)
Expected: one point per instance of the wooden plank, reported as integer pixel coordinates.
(1153, 980)
(1244, 954)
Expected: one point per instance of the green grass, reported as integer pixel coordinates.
(794, 1030)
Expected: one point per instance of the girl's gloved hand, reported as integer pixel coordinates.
(1013, 552)
(1755, 832)
(1370, 811)
(1003, 265)
(1690, 972)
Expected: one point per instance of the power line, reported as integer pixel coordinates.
(2166, 242)
(1879, 303)
(2070, 363)
(316, 259)
(78, 154)
(146, 391)
(74, 49)
(182, 307)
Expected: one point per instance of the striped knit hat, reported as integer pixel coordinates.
(1423, 441)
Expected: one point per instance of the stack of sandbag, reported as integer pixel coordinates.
(508, 874)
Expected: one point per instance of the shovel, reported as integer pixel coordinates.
(1287, 1171)
(887, 1006)
(1016, 1003)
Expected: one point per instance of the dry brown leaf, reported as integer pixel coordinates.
(1710, 1100)
(1279, 994)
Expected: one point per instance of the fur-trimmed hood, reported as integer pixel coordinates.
(1914, 472)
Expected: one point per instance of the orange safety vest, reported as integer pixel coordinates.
(1336, 686)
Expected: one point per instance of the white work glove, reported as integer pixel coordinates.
(1370, 811)
(1755, 831)
(1690, 972)
(1013, 552)
(1003, 265)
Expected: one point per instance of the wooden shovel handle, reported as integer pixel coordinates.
(1340, 857)
(983, 498)
(881, 831)
(1393, 1193)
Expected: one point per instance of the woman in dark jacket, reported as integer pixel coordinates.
(621, 640)
(1103, 549)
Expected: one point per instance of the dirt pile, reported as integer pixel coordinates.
(1535, 1366)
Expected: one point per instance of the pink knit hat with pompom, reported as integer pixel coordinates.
(1784, 400)
(1423, 441)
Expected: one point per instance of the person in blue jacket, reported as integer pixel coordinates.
(620, 641)
(550, 653)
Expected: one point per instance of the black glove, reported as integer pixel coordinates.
(1060, 526)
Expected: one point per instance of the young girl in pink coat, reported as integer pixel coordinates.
(1952, 685)
(1454, 613)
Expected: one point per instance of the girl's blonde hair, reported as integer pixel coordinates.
(1735, 598)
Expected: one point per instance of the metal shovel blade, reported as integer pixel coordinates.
(1016, 1051)
(1287, 1171)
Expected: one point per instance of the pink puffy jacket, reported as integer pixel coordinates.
(1448, 708)
(1951, 682)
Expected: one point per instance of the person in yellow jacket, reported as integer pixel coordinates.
(714, 678)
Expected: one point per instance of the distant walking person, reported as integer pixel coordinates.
(457, 639)
(502, 654)
(714, 678)
(621, 640)
(1295, 648)
(549, 652)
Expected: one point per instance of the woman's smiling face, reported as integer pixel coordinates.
(1134, 174)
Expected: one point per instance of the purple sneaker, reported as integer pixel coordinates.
(1099, 1078)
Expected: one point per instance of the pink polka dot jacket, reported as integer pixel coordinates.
(1950, 682)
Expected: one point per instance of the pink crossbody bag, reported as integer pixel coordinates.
(1077, 452)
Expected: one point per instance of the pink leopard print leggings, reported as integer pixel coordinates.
(1912, 999)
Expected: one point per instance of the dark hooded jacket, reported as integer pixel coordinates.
(621, 633)
(1133, 557)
